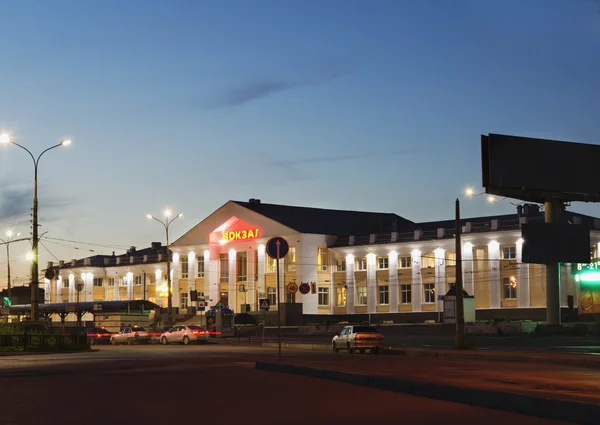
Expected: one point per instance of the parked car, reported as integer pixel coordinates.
(359, 338)
(130, 335)
(98, 336)
(185, 334)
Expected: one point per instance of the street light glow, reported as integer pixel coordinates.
(491, 199)
(9, 233)
(66, 142)
(5, 138)
(149, 216)
(469, 191)
(167, 213)
(29, 256)
(180, 215)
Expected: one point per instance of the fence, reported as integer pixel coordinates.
(38, 342)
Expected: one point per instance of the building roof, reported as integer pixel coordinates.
(123, 259)
(328, 221)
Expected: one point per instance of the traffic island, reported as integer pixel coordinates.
(572, 411)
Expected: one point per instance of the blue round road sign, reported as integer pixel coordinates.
(277, 247)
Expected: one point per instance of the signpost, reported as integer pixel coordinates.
(277, 248)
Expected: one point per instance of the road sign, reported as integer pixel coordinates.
(50, 274)
(313, 287)
(292, 288)
(6, 302)
(272, 247)
(264, 304)
(201, 305)
(304, 288)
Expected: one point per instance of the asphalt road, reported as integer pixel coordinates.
(212, 384)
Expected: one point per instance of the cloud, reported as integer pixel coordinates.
(259, 89)
(14, 202)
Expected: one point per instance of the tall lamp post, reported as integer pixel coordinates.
(166, 223)
(35, 282)
(10, 237)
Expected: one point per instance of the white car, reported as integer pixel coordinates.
(184, 334)
(130, 335)
(359, 338)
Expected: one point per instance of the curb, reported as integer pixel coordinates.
(570, 411)
(42, 353)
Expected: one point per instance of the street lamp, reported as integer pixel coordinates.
(10, 237)
(35, 283)
(166, 223)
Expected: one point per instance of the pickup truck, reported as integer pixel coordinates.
(130, 335)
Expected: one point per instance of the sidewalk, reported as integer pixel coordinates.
(558, 392)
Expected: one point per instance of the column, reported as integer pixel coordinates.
(262, 289)
(282, 282)
(440, 277)
(350, 284)
(564, 283)
(494, 274)
(130, 286)
(232, 285)
(211, 272)
(523, 297)
(175, 279)
(371, 283)
(393, 279)
(117, 288)
(467, 268)
(71, 288)
(306, 270)
(206, 288)
(333, 294)
(251, 282)
(417, 281)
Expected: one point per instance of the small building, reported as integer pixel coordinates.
(21, 295)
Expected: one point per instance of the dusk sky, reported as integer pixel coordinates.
(366, 105)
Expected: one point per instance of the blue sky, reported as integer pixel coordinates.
(370, 105)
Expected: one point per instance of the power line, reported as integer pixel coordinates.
(88, 243)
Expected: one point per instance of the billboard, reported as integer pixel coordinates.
(587, 276)
(539, 169)
(545, 243)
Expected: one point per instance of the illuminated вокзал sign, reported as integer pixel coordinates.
(240, 235)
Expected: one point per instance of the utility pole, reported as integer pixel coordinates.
(552, 210)
(460, 305)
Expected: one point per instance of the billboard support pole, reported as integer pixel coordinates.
(460, 306)
(552, 210)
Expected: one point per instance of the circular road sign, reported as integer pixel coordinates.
(277, 247)
(292, 288)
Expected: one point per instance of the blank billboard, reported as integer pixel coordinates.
(545, 243)
(539, 169)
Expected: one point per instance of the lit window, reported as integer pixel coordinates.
(383, 263)
(384, 294)
(111, 281)
(340, 265)
(361, 295)
(451, 258)
(323, 297)
(405, 261)
(428, 260)
(184, 300)
(429, 291)
(340, 297)
(65, 282)
(322, 259)
(223, 268)
(98, 283)
(272, 296)
(242, 266)
(509, 288)
(183, 263)
(151, 278)
(271, 265)
(290, 260)
(138, 280)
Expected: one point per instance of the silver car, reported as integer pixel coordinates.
(130, 335)
(184, 334)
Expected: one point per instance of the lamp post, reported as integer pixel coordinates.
(35, 282)
(166, 223)
(10, 237)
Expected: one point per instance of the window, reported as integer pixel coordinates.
(509, 288)
(428, 260)
(451, 258)
(98, 282)
(340, 297)
(65, 282)
(183, 263)
(593, 252)
(405, 261)
(184, 300)
(361, 295)
(361, 264)
(322, 259)
(323, 297)
(383, 263)
(290, 260)
(429, 290)
(151, 278)
(340, 264)
(200, 266)
(509, 252)
(123, 281)
(137, 280)
(224, 268)
(111, 281)
(242, 266)
(272, 296)
(271, 265)
(384, 294)
(405, 290)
